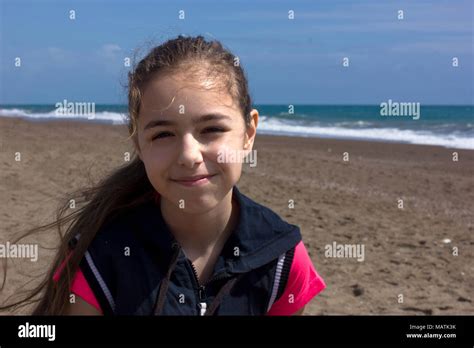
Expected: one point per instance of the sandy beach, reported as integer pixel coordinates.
(423, 251)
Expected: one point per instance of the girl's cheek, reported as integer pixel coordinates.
(159, 160)
(162, 151)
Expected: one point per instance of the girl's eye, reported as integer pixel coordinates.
(213, 130)
(162, 135)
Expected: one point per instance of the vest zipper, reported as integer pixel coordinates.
(202, 288)
(201, 292)
(202, 300)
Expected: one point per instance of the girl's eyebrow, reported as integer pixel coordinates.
(203, 118)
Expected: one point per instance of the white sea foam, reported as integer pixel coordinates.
(105, 116)
(268, 125)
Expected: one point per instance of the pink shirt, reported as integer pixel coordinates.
(303, 284)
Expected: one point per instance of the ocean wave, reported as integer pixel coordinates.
(104, 116)
(358, 123)
(278, 127)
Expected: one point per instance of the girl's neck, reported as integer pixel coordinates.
(201, 234)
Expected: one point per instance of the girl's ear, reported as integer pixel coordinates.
(251, 130)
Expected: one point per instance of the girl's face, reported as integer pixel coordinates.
(185, 129)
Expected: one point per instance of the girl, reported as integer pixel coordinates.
(170, 233)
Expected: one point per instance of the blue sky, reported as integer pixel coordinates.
(287, 61)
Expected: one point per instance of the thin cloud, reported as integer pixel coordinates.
(110, 50)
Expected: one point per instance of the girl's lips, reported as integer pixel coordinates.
(197, 181)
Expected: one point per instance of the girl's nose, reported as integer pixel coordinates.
(190, 152)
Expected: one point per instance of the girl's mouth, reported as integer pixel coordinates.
(197, 180)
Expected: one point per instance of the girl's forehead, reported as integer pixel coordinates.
(178, 93)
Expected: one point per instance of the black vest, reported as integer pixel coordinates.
(132, 255)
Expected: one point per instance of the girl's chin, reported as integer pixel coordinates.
(194, 202)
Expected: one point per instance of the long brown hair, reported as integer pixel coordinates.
(128, 186)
